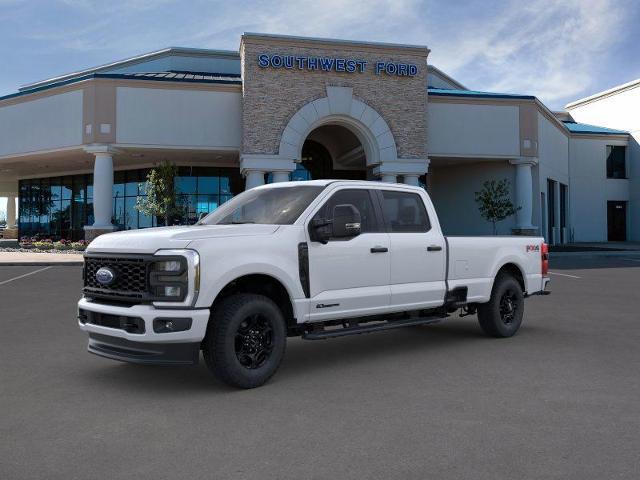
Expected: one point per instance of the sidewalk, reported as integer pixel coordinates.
(36, 259)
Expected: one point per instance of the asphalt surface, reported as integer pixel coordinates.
(558, 400)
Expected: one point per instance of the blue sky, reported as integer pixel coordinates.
(557, 50)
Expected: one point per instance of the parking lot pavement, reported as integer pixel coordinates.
(559, 400)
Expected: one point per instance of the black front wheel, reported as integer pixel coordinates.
(246, 340)
(502, 315)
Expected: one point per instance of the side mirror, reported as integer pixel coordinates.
(346, 221)
(320, 230)
(201, 216)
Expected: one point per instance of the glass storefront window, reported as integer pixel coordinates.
(59, 207)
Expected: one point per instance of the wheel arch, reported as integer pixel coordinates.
(515, 271)
(261, 284)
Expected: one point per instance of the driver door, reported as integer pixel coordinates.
(350, 276)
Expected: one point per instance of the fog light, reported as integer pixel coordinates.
(166, 325)
(172, 291)
(169, 266)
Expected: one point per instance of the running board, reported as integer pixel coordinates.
(377, 327)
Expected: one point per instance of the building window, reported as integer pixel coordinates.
(59, 207)
(616, 164)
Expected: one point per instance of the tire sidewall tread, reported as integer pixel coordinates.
(489, 313)
(219, 347)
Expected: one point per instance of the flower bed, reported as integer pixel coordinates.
(36, 244)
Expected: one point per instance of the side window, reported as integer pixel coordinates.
(361, 199)
(405, 212)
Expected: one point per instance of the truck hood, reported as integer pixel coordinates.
(149, 240)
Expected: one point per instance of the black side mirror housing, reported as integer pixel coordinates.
(320, 230)
(346, 221)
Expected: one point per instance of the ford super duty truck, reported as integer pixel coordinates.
(316, 259)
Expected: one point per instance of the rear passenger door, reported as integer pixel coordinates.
(417, 252)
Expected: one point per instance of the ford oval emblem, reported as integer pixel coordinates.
(105, 276)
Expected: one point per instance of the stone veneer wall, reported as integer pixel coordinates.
(272, 96)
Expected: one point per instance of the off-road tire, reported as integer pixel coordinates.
(227, 339)
(502, 315)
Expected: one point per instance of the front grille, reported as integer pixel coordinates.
(130, 282)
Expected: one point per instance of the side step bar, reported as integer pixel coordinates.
(321, 334)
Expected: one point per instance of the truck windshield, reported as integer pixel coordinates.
(272, 206)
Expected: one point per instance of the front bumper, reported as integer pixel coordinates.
(145, 346)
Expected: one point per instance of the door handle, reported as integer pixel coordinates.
(379, 250)
(434, 248)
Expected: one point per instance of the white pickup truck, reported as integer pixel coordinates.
(315, 259)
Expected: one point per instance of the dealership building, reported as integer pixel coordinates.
(75, 149)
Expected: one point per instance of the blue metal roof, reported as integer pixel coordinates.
(188, 77)
(444, 92)
(575, 127)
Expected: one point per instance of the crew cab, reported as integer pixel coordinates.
(316, 259)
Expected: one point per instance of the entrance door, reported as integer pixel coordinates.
(617, 221)
(551, 210)
(350, 277)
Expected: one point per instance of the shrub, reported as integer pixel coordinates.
(81, 245)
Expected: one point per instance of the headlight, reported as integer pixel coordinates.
(175, 278)
(169, 266)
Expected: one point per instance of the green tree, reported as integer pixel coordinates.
(494, 202)
(162, 199)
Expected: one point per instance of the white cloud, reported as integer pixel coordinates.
(547, 48)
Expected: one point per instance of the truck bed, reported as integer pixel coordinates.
(475, 261)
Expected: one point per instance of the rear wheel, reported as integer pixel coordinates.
(502, 315)
(245, 341)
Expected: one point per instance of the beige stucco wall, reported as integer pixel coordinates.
(50, 122)
(272, 96)
(178, 117)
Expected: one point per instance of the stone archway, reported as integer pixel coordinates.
(339, 107)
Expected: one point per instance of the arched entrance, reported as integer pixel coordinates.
(337, 136)
(333, 151)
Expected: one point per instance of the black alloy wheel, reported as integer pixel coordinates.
(254, 341)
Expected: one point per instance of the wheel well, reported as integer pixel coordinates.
(262, 285)
(513, 270)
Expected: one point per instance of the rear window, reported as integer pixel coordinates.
(405, 212)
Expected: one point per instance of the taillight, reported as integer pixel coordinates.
(544, 258)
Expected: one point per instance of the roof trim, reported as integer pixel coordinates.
(587, 129)
(423, 49)
(605, 93)
(448, 78)
(443, 92)
(118, 76)
(133, 61)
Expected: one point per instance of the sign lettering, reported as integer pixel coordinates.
(332, 64)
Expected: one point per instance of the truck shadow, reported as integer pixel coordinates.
(304, 358)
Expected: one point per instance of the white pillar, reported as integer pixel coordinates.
(524, 193)
(389, 178)
(410, 179)
(280, 176)
(102, 190)
(254, 178)
(11, 211)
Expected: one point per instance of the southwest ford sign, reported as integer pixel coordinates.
(334, 64)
